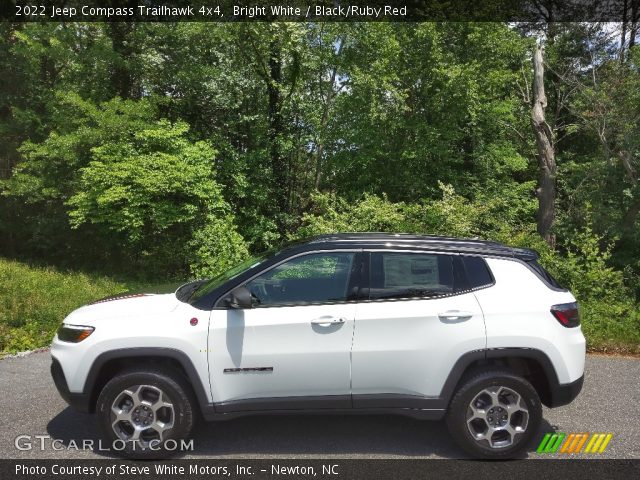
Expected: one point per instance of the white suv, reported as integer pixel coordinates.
(472, 331)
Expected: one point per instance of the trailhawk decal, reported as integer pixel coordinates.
(248, 370)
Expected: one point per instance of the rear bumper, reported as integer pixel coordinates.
(565, 393)
(79, 401)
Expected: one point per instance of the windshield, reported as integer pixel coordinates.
(193, 291)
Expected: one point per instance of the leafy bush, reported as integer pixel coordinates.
(140, 195)
(583, 266)
(452, 214)
(331, 214)
(610, 317)
(156, 191)
(215, 248)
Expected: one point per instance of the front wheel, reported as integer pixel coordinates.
(494, 415)
(139, 411)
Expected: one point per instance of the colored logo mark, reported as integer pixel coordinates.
(574, 443)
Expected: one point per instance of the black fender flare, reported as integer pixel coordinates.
(141, 352)
(461, 365)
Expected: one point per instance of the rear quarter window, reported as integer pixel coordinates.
(545, 276)
(478, 273)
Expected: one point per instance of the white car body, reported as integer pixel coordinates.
(404, 355)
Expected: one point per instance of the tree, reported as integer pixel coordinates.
(546, 191)
(138, 187)
(272, 50)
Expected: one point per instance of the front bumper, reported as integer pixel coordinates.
(565, 393)
(79, 401)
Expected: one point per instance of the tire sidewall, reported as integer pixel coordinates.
(457, 420)
(177, 395)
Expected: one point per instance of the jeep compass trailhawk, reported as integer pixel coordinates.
(471, 331)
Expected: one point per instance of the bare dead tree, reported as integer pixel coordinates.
(623, 35)
(546, 191)
(634, 23)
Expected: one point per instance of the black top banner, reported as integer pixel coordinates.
(320, 11)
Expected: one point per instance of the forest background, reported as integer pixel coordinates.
(139, 155)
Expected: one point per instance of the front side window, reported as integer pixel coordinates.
(193, 291)
(410, 275)
(313, 278)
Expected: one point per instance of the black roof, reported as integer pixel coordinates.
(423, 242)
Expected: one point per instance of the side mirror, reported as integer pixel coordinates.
(239, 297)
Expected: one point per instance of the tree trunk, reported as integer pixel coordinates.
(327, 104)
(320, 148)
(546, 191)
(623, 35)
(634, 23)
(279, 168)
(122, 79)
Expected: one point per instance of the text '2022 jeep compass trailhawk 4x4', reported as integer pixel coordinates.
(472, 331)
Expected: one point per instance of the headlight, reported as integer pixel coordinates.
(74, 333)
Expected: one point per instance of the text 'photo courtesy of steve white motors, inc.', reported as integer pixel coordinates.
(230, 469)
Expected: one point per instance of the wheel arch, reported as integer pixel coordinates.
(108, 364)
(532, 364)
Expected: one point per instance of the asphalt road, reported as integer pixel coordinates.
(30, 405)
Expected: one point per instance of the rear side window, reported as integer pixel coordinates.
(478, 274)
(410, 275)
(544, 275)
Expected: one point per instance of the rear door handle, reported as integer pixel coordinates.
(455, 315)
(328, 320)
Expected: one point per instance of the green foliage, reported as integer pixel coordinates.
(215, 248)
(146, 184)
(584, 267)
(166, 150)
(33, 302)
(488, 216)
(143, 186)
(611, 320)
(330, 214)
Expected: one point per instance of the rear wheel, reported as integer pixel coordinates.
(139, 411)
(494, 414)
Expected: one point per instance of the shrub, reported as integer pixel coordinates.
(610, 317)
(140, 194)
(216, 248)
(452, 214)
(156, 192)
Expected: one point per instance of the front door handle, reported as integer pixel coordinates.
(455, 315)
(328, 320)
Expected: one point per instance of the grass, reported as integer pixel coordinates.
(35, 300)
(611, 327)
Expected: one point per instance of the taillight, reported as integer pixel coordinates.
(567, 314)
